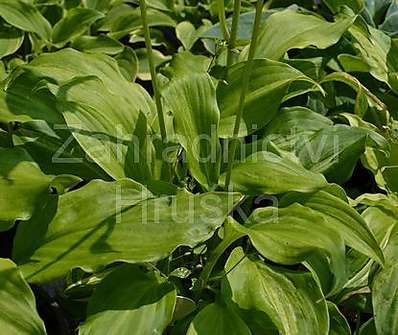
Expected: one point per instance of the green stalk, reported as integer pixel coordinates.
(222, 19)
(234, 33)
(156, 92)
(245, 85)
(215, 255)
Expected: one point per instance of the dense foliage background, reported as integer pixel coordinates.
(198, 167)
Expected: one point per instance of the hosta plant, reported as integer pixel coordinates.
(198, 167)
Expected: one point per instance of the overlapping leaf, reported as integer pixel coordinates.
(18, 314)
(267, 173)
(130, 299)
(274, 299)
(269, 83)
(192, 102)
(106, 222)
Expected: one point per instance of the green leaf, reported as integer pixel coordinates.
(26, 17)
(130, 299)
(75, 23)
(267, 173)
(143, 64)
(355, 5)
(268, 86)
(10, 40)
(385, 289)
(332, 204)
(368, 328)
(288, 236)
(218, 319)
(98, 44)
(338, 323)
(290, 125)
(109, 127)
(245, 26)
(23, 186)
(192, 102)
(377, 50)
(292, 30)
(107, 114)
(380, 222)
(334, 151)
(73, 230)
(390, 25)
(17, 303)
(123, 19)
(24, 101)
(293, 301)
(188, 34)
(128, 63)
(56, 151)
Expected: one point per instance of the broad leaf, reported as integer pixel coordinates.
(294, 124)
(334, 151)
(267, 173)
(192, 102)
(124, 19)
(338, 323)
(245, 26)
(10, 40)
(107, 114)
(130, 300)
(297, 234)
(268, 87)
(26, 17)
(111, 128)
(98, 44)
(188, 34)
(332, 204)
(385, 289)
(18, 314)
(23, 101)
(355, 5)
(75, 23)
(293, 301)
(218, 318)
(124, 226)
(23, 186)
(288, 29)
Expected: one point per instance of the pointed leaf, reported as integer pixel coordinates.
(98, 44)
(385, 289)
(18, 314)
(75, 231)
(292, 300)
(130, 299)
(10, 40)
(289, 236)
(266, 172)
(26, 17)
(218, 319)
(23, 186)
(75, 23)
(288, 29)
(339, 215)
(338, 323)
(192, 101)
(268, 86)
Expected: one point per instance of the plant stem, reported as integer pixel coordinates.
(234, 33)
(222, 19)
(156, 92)
(245, 85)
(230, 237)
